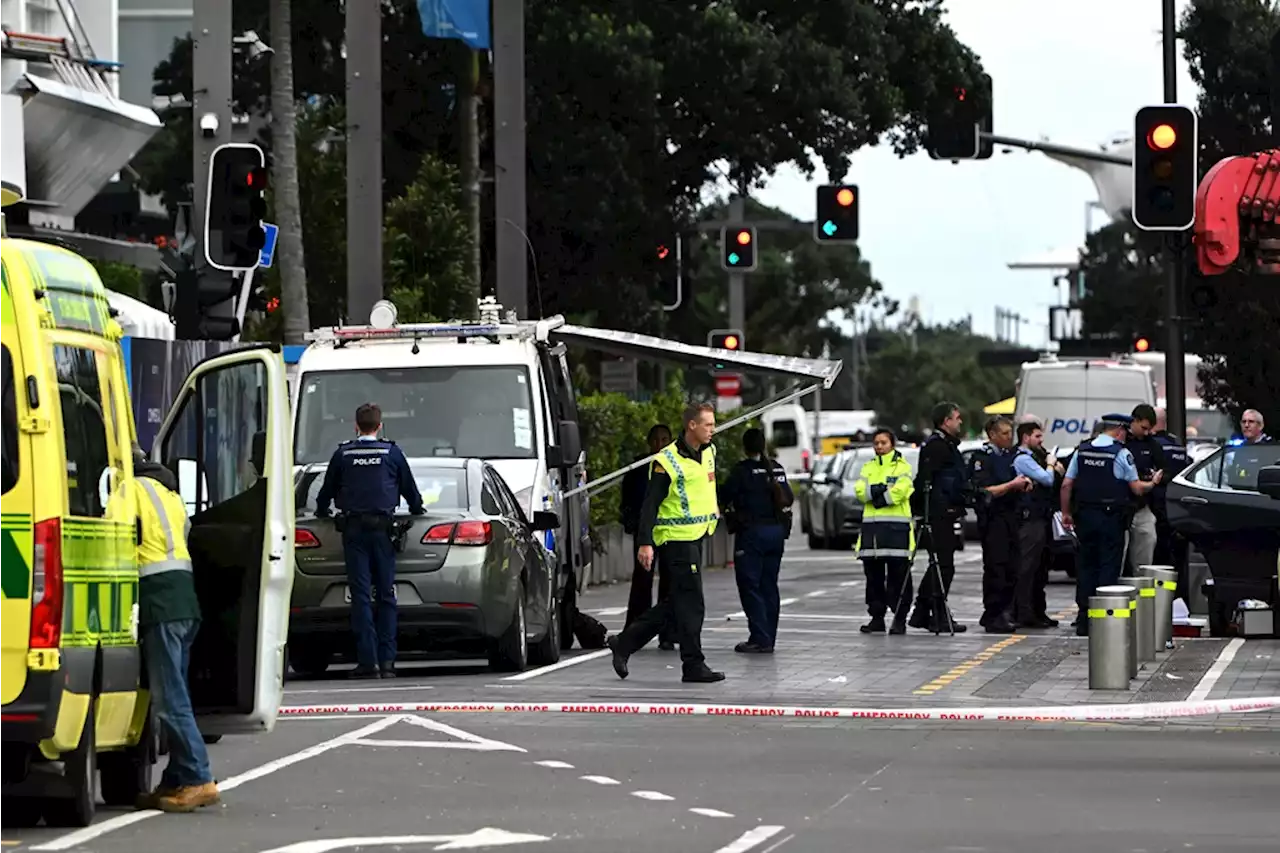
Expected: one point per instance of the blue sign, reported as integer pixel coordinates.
(1079, 426)
(464, 20)
(268, 253)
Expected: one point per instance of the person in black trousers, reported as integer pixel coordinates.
(634, 485)
(941, 485)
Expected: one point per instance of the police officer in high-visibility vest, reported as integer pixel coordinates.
(1171, 549)
(680, 510)
(168, 620)
(1102, 479)
(365, 479)
(886, 542)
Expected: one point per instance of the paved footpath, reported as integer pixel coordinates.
(662, 784)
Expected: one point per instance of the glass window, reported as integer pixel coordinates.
(785, 434)
(1241, 465)
(1209, 472)
(1206, 424)
(488, 501)
(510, 506)
(84, 429)
(483, 412)
(443, 489)
(11, 463)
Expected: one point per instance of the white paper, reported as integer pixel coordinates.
(521, 429)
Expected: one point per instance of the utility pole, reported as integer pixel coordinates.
(469, 147)
(737, 288)
(364, 157)
(510, 238)
(1175, 370)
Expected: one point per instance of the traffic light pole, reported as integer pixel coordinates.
(510, 208)
(210, 101)
(1050, 148)
(1175, 370)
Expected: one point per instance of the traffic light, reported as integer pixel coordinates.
(235, 206)
(738, 249)
(837, 219)
(1165, 177)
(730, 339)
(192, 299)
(1141, 344)
(953, 127)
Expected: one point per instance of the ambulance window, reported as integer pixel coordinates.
(84, 428)
(10, 400)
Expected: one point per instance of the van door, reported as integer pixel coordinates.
(19, 497)
(227, 439)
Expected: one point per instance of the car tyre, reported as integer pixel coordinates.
(81, 774)
(309, 662)
(816, 542)
(126, 774)
(547, 650)
(510, 653)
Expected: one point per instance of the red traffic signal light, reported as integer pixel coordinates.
(235, 207)
(1165, 168)
(1141, 345)
(731, 342)
(837, 214)
(730, 339)
(743, 238)
(844, 197)
(663, 252)
(1162, 137)
(738, 249)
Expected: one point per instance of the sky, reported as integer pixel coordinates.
(1072, 73)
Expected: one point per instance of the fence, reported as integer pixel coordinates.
(614, 558)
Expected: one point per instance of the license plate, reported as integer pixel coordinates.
(395, 593)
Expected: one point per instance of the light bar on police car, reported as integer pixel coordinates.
(410, 331)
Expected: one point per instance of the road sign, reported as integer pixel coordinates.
(1065, 324)
(268, 253)
(728, 385)
(618, 377)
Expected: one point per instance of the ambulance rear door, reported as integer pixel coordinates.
(16, 520)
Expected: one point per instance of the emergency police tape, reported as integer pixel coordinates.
(1054, 714)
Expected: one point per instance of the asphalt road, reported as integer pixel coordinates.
(610, 784)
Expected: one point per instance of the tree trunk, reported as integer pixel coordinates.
(284, 177)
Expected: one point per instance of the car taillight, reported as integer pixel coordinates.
(804, 460)
(303, 538)
(462, 533)
(46, 583)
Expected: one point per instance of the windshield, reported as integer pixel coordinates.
(1207, 424)
(443, 489)
(1235, 467)
(484, 412)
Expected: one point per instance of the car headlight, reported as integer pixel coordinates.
(525, 498)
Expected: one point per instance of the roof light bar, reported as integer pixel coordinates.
(409, 331)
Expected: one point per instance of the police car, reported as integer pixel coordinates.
(1069, 396)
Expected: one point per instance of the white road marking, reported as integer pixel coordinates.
(815, 593)
(656, 796)
(839, 617)
(810, 557)
(850, 583)
(469, 741)
(1220, 665)
(710, 812)
(784, 602)
(600, 780)
(573, 661)
(81, 837)
(487, 837)
(741, 615)
(398, 687)
(555, 765)
(751, 838)
(610, 611)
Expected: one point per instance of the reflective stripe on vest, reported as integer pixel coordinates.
(157, 518)
(690, 509)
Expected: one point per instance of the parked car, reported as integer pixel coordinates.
(471, 576)
(807, 491)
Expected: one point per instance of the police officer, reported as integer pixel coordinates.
(366, 478)
(1148, 457)
(1102, 480)
(886, 541)
(758, 498)
(1171, 549)
(680, 510)
(1035, 507)
(1251, 428)
(941, 487)
(1000, 486)
(634, 486)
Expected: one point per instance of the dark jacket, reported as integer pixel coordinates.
(634, 485)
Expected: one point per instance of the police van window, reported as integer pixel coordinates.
(11, 462)
(785, 434)
(84, 428)
(480, 411)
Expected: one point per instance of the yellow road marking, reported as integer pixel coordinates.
(967, 666)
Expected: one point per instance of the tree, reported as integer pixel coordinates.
(284, 171)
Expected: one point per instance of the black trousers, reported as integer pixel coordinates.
(888, 586)
(641, 597)
(1101, 535)
(685, 608)
(1029, 586)
(999, 564)
(940, 539)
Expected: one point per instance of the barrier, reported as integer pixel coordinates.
(1033, 714)
(1111, 644)
(1146, 618)
(1166, 580)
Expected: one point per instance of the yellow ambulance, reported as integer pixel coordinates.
(76, 720)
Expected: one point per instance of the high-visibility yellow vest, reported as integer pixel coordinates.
(886, 532)
(690, 510)
(164, 529)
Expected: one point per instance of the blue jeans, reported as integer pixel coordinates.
(757, 559)
(166, 646)
(371, 561)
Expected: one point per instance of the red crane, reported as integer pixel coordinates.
(1238, 215)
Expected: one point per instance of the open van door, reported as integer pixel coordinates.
(227, 439)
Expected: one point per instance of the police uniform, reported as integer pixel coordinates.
(1171, 549)
(1034, 510)
(634, 485)
(1148, 457)
(1102, 470)
(998, 526)
(680, 510)
(365, 479)
(761, 529)
(941, 484)
(886, 541)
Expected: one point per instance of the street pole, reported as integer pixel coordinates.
(510, 240)
(210, 95)
(1063, 150)
(364, 157)
(737, 289)
(1175, 370)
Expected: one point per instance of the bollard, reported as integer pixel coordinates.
(1109, 620)
(1132, 593)
(1145, 618)
(1166, 579)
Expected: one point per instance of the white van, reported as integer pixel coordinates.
(786, 432)
(1069, 396)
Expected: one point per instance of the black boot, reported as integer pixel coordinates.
(875, 626)
(619, 659)
(899, 626)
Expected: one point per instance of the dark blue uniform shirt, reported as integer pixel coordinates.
(941, 468)
(368, 476)
(994, 467)
(749, 490)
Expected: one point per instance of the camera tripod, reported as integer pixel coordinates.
(941, 606)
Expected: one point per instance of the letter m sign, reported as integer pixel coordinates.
(1065, 324)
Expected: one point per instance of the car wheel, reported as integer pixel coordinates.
(81, 774)
(815, 542)
(510, 653)
(126, 775)
(547, 650)
(308, 661)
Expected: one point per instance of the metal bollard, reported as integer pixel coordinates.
(1109, 619)
(1166, 579)
(1145, 618)
(1132, 592)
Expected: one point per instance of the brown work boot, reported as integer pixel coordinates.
(151, 800)
(189, 799)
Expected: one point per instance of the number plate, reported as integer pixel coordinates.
(395, 593)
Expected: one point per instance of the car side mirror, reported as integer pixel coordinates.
(545, 520)
(1269, 481)
(565, 454)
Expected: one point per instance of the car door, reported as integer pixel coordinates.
(228, 440)
(525, 553)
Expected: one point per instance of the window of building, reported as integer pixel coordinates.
(84, 428)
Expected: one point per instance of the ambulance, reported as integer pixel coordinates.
(76, 718)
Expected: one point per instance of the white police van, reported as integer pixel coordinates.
(1070, 396)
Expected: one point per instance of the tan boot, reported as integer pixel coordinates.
(152, 800)
(189, 798)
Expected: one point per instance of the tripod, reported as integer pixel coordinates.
(940, 603)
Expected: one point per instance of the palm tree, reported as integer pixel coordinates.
(284, 177)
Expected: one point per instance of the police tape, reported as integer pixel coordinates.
(1053, 714)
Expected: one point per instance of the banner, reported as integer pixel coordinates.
(465, 20)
